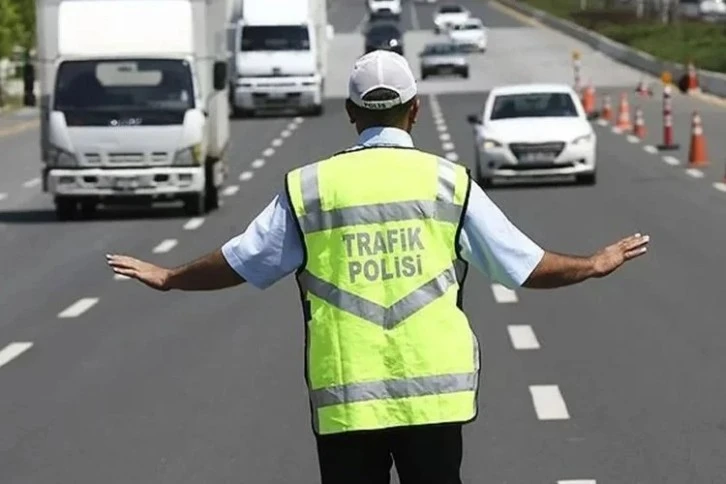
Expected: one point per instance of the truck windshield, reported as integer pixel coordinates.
(124, 86)
(275, 37)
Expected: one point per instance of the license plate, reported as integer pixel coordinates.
(276, 95)
(538, 157)
(125, 183)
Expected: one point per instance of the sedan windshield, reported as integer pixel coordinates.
(533, 105)
(441, 49)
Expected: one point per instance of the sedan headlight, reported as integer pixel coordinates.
(61, 158)
(188, 156)
(490, 143)
(582, 139)
(393, 42)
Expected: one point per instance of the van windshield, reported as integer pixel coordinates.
(275, 37)
(124, 88)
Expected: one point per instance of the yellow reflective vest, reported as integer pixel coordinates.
(387, 342)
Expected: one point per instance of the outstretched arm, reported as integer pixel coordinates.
(557, 270)
(207, 273)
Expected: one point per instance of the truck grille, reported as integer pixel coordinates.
(124, 158)
(523, 151)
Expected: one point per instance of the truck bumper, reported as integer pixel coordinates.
(300, 97)
(163, 183)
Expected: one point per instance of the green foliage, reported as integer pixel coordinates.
(10, 27)
(704, 43)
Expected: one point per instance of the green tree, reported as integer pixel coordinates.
(26, 27)
(10, 31)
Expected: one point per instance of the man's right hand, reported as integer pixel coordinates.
(613, 256)
(153, 276)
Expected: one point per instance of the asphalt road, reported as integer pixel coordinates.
(617, 380)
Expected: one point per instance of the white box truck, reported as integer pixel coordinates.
(134, 102)
(281, 56)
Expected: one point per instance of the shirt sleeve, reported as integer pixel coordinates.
(270, 248)
(494, 245)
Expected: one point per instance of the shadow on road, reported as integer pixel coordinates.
(43, 216)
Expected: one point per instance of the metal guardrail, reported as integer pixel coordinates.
(709, 81)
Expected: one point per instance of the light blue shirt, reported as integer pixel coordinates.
(270, 248)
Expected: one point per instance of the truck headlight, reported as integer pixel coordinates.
(582, 139)
(60, 158)
(188, 156)
(490, 143)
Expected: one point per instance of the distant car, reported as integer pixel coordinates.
(534, 130)
(392, 5)
(384, 36)
(470, 35)
(425, 1)
(448, 15)
(442, 58)
(384, 14)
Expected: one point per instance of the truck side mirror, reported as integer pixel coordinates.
(220, 75)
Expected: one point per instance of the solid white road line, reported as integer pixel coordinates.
(12, 351)
(3, 196)
(650, 149)
(633, 139)
(503, 294)
(548, 402)
(258, 163)
(32, 182)
(194, 223)
(523, 337)
(245, 175)
(720, 186)
(577, 481)
(165, 246)
(276, 142)
(452, 156)
(447, 146)
(230, 190)
(694, 172)
(79, 307)
(268, 152)
(671, 160)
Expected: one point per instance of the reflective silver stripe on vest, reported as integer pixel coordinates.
(372, 312)
(315, 220)
(391, 389)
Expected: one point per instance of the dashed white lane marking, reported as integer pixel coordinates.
(720, 186)
(258, 163)
(442, 128)
(285, 133)
(245, 175)
(616, 130)
(671, 160)
(277, 142)
(445, 137)
(452, 157)
(503, 294)
(548, 402)
(577, 481)
(602, 122)
(291, 127)
(694, 172)
(523, 337)
(230, 190)
(268, 152)
(299, 120)
(165, 246)
(12, 351)
(633, 139)
(32, 182)
(447, 146)
(194, 223)
(650, 149)
(120, 277)
(79, 307)
(3, 196)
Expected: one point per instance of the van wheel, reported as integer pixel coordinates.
(65, 208)
(194, 204)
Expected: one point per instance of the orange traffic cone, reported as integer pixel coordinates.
(697, 155)
(623, 122)
(588, 99)
(639, 126)
(692, 81)
(607, 109)
(643, 89)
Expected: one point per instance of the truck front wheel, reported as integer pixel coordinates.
(194, 204)
(65, 208)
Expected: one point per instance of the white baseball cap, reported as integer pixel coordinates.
(381, 69)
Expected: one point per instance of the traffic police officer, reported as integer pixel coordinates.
(380, 237)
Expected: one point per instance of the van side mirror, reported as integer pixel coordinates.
(220, 75)
(473, 119)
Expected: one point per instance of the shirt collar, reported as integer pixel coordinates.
(379, 136)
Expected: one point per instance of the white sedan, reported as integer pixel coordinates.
(534, 131)
(394, 6)
(469, 35)
(449, 15)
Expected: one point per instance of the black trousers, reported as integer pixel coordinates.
(426, 454)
